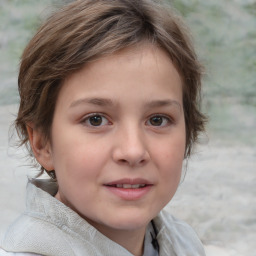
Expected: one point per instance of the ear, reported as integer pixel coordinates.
(41, 148)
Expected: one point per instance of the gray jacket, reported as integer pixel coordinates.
(49, 227)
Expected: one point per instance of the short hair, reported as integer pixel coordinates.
(83, 31)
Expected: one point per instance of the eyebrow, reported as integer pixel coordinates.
(103, 102)
(94, 101)
(163, 103)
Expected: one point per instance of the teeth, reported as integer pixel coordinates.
(127, 186)
(130, 185)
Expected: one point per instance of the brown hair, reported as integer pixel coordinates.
(86, 30)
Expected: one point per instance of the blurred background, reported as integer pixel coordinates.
(218, 195)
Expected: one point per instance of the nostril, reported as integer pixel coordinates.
(131, 163)
(123, 161)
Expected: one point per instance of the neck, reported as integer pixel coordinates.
(131, 240)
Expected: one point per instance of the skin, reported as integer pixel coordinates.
(135, 99)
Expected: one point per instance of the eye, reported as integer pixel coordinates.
(95, 120)
(159, 120)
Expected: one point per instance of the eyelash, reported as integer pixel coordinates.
(86, 119)
(167, 120)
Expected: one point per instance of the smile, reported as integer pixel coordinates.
(127, 186)
(129, 189)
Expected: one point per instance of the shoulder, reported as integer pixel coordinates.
(179, 235)
(5, 253)
(31, 234)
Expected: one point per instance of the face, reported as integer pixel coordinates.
(118, 138)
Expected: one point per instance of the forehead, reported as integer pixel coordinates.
(139, 69)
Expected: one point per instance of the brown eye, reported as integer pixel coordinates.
(95, 120)
(156, 120)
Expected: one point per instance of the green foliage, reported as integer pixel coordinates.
(225, 36)
(18, 21)
(185, 7)
(251, 8)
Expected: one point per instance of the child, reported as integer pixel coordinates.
(109, 94)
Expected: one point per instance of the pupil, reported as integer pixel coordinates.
(95, 120)
(156, 121)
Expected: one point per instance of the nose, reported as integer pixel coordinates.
(131, 147)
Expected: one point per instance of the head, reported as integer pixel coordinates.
(92, 30)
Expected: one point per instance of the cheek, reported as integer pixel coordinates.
(169, 169)
(171, 151)
(170, 156)
(77, 160)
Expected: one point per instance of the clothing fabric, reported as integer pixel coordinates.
(50, 228)
(151, 246)
(4, 253)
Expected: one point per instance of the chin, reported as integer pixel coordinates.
(131, 221)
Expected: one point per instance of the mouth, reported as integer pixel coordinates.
(128, 186)
(129, 183)
(129, 189)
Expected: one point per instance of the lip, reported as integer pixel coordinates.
(129, 181)
(129, 194)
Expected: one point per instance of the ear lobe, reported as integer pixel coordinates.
(41, 148)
